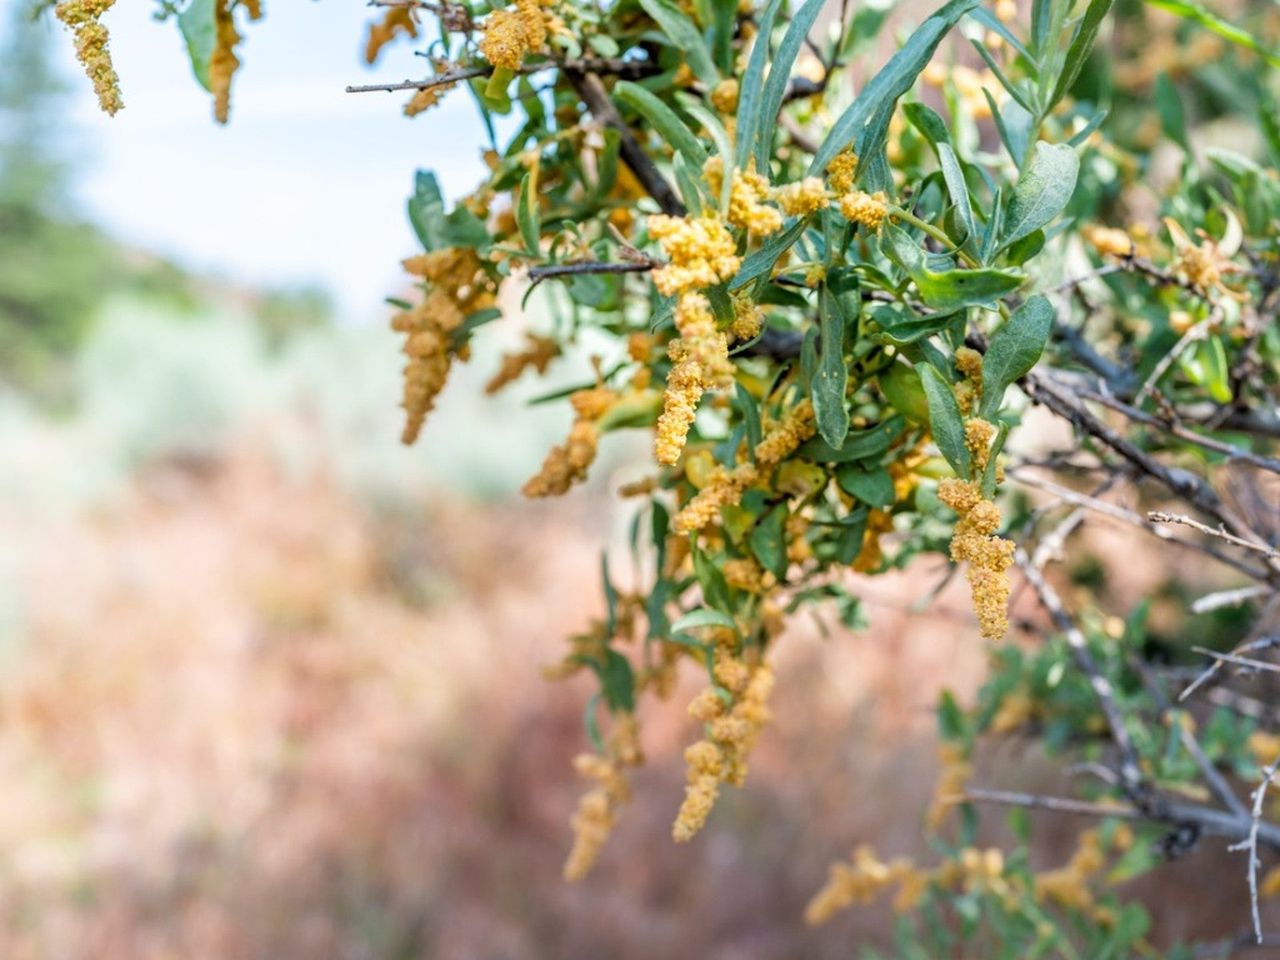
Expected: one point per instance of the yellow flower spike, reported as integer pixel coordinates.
(702, 252)
(91, 40)
(841, 171)
(803, 197)
(868, 210)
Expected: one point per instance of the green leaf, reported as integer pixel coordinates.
(1043, 190)
(990, 472)
(462, 228)
(872, 487)
(902, 325)
(1206, 366)
(724, 146)
(715, 591)
(1169, 106)
(1014, 350)
(1215, 24)
(665, 120)
(528, 216)
(830, 380)
(945, 421)
(1020, 251)
(752, 85)
(684, 34)
(952, 289)
(1078, 52)
(893, 80)
(426, 210)
(779, 76)
(953, 176)
(901, 386)
(858, 445)
(199, 29)
(695, 619)
(746, 405)
(760, 263)
(617, 681)
(931, 126)
(769, 541)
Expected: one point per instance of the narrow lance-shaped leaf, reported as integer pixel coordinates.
(769, 541)
(779, 76)
(528, 217)
(682, 33)
(945, 421)
(751, 88)
(893, 80)
(1078, 52)
(1014, 350)
(664, 119)
(199, 30)
(830, 380)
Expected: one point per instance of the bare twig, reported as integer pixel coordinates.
(1239, 661)
(1218, 661)
(1159, 516)
(1228, 598)
(614, 66)
(1130, 772)
(1251, 843)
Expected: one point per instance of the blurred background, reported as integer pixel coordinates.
(270, 682)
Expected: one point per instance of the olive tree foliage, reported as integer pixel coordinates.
(834, 257)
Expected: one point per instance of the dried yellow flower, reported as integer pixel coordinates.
(537, 355)
(396, 20)
(510, 34)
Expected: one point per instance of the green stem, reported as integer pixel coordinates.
(934, 232)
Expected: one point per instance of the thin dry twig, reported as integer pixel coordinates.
(1251, 843)
(1159, 516)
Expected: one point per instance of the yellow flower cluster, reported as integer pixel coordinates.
(594, 818)
(537, 355)
(841, 171)
(748, 318)
(803, 197)
(866, 209)
(458, 287)
(701, 358)
(989, 557)
(396, 20)
(861, 880)
(724, 96)
(1204, 265)
(510, 34)
(1110, 241)
(780, 440)
(568, 464)
(91, 38)
(953, 778)
(731, 733)
(723, 488)
(701, 250)
(1068, 886)
(747, 208)
(743, 573)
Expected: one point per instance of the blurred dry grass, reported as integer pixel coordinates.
(256, 717)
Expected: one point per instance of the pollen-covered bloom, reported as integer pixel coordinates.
(867, 209)
(568, 464)
(861, 880)
(594, 818)
(510, 34)
(536, 355)
(723, 488)
(457, 286)
(724, 95)
(747, 195)
(91, 38)
(701, 357)
(988, 556)
(780, 440)
(732, 732)
(701, 250)
(841, 171)
(803, 197)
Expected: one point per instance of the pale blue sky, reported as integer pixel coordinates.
(306, 184)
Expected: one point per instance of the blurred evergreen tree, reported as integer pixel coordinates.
(54, 268)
